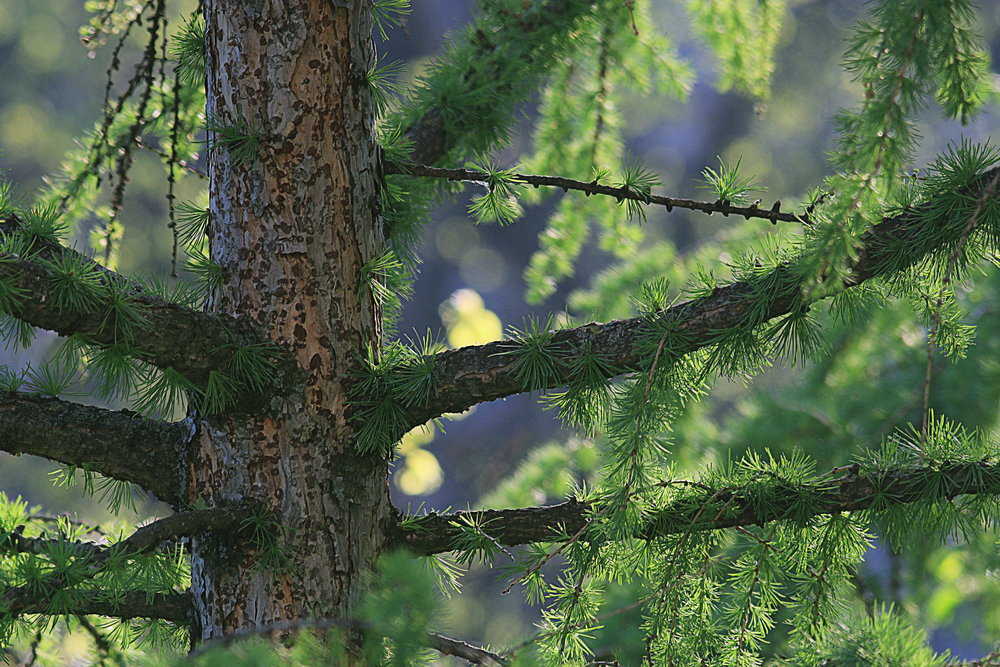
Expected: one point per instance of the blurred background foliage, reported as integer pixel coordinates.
(470, 288)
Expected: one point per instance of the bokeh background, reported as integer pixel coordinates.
(470, 283)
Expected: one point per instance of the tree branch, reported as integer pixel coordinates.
(174, 607)
(440, 643)
(708, 509)
(773, 214)
(173, 336)
(481, 373)
(143, 540)
(117, 444)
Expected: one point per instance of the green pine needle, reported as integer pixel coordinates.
(11, 381)
(637, 178)
(252, 366)
(10, 199)
(161, 392)
(192, 224)
(76, 283)
(16, 333)
(208, 275)
(51, 378)
(381, 82)
(240, 138)
(220, 393)
(729, 185)
(124, 315)
(188, 50)
(115, 372)
(499, 204)
(45, 222)
(536, 364)
(389, 12)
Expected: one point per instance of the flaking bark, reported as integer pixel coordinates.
(291, 229)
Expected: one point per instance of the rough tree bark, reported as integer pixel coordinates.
(292, 229)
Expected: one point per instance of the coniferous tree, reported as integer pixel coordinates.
(282, 354)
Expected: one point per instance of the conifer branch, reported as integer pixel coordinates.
(855, 490)
(726, 208)
(173, 336)
(481, 373)
(440, 643)
(174, 607)
(143, 540)
(117, 444)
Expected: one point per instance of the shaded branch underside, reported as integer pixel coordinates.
(853, 491)
(115, 443)
(144, 540)
(174, 607)
(481, 373)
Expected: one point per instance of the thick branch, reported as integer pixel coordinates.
(173, 336)
(144, 540)
(773, 214)
(117, 444)
(481, 373)
(182, 524)
(710, 509)
(173, 607)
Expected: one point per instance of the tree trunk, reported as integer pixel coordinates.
(291, 230)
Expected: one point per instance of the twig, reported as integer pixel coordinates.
(991, 660)
(594, 188)
(183, 164)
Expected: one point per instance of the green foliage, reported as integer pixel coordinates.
(401, 609)
(389, 12)
(383, 386)
(10, 201)
(777, 564)
(207, 274)
(536, 365)
(729, 185)
(188, 49)
(76, 283)
(638, 179)
(743, 35)
(220, 393)
(266, 540)
(240, 138)
(44, 222)
(383, 89)
(499, 204)
(252, 365)
(49, 379)
(192, 223)
(161, 392)
(388, 281)
(883, 638)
